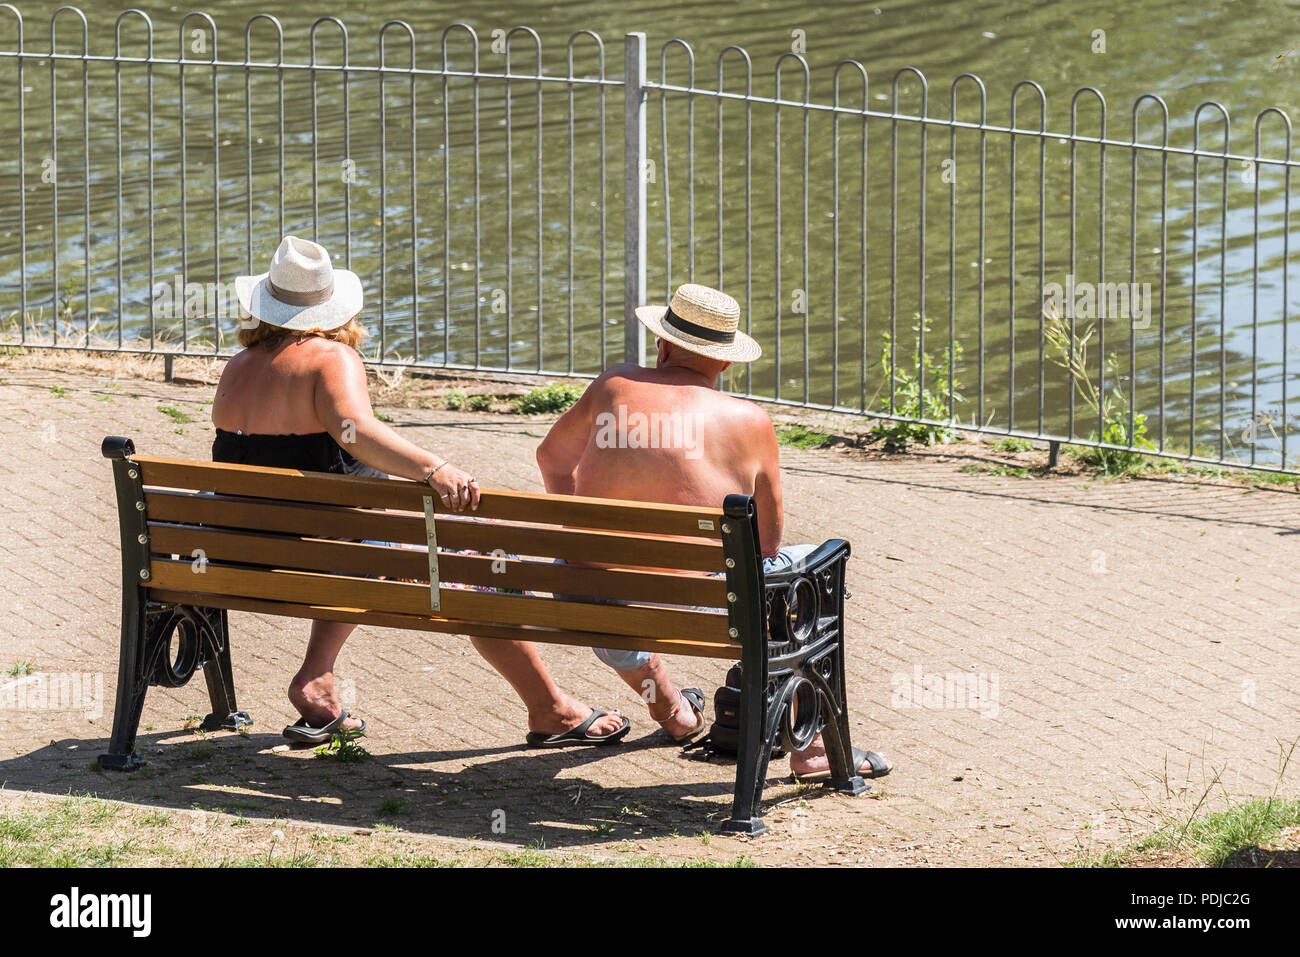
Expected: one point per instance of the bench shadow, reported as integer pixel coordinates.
(1251, 857)
(540, 797)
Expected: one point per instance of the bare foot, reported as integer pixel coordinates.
(566, 714)
(678, 717)
(315, 700)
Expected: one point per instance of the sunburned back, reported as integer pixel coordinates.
(272, 390)
(658, 436)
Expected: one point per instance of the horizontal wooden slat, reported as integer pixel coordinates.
(413, 599)
(664, 646)
(328, 489)
(327, 521)
(350, 558)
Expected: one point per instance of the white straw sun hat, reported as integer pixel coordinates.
(302, 290)
(702, 320)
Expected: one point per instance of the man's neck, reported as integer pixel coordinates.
(704, 378)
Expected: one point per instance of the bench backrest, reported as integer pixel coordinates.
(316, 545)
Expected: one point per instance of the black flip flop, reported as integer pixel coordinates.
(303, 733)
(878, 765)
(695, 698)
(579, 735)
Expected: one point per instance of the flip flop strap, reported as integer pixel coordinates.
(583, 729)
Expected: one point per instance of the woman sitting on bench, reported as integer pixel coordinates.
(296, 397)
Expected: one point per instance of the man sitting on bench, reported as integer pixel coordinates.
(667, 435)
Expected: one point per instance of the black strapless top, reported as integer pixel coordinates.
(311, 452)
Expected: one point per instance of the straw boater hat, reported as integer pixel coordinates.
(702, 320)
(302, 291)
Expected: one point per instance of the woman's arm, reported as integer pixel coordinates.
(342, 403)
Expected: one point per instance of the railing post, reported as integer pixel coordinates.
(634, 190)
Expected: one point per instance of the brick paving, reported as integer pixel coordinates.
(1132, 641)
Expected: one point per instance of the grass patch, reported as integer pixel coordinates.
(1211, 838)
(1013, 444)
(342, 747)
(59, 391)
(1004, 471)
(80, 831)
(391, 807)
(548, 399)
(1119, 423)
(383, 417)
(913, 397)
(454, 400)
(802, 437)
(175, 414)
(21, 669)
(483, 402)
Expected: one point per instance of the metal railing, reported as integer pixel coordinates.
(1120, 290)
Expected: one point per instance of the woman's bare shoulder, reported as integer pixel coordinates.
(327, 354)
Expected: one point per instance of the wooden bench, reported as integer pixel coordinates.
(201, 539)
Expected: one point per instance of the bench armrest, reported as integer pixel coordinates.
(825, 555)
(117, 447)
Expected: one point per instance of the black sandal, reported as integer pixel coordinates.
(303, 733)
(867, 764)
(579, 735)
(695, 698)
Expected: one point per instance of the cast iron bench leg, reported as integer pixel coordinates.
(754, 745)
(220, 677)
(132, 682)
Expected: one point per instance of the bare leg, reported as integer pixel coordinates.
(312, 688)
(667, 706)
(550, 710)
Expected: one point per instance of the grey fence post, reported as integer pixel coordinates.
(634, 190)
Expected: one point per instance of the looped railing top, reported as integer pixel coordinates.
(537, 42)
(18, 16)
(690, 60)
(1196, 125)
(749, 70)
(148, 23)
(180, 35)
(343, 36)
(984, 96)
(383, 43)
(446, 63)
(1074, 111)
(279, 38)
(925, 89)
(1164, 116)
(1042, 106)
(600, 51)
(835, 84)
(85, 30)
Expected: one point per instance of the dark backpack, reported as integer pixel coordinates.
(724, 736)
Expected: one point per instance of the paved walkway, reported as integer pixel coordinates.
(1098, 648)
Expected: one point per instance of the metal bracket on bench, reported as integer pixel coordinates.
(431, 536)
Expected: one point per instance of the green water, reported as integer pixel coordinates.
(557, 309)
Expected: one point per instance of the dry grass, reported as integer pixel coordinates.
(83, 831)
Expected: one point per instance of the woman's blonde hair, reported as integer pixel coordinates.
(351, 333)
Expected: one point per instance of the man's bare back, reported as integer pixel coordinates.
(667, 435)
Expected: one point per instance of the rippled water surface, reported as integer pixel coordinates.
(536, 286)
